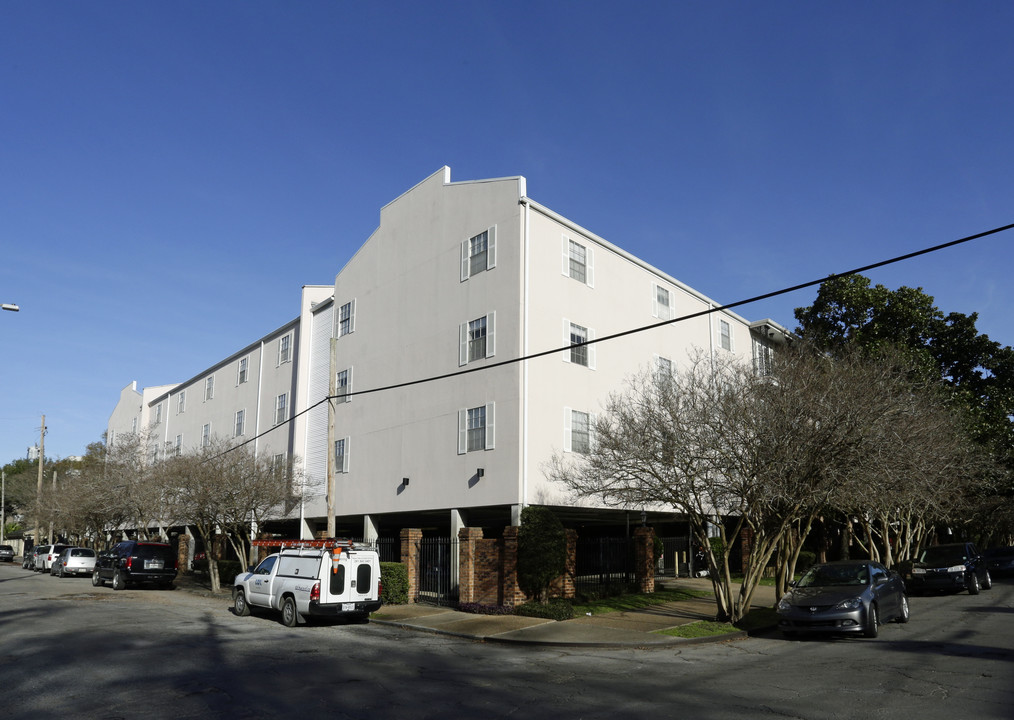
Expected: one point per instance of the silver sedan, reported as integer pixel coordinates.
(851, 596)
(74, 561)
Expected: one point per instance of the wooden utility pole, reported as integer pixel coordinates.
(38, 491)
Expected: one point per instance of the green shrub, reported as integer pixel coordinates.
(542, 551)
(805, 560)
(394, 578)
(227, 570)
(555, 609)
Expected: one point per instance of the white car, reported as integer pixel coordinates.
(74, 561)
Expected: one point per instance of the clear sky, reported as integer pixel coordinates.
(171, 174)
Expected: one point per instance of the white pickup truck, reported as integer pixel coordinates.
(333, 578)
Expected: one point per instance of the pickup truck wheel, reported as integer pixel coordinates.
(290, 618)
(239, 604)
(118, 582)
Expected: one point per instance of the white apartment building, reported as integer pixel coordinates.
(437, 421)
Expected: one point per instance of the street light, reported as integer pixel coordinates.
(10, 306)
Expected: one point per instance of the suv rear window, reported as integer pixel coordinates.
(153, 551)
(82, 552)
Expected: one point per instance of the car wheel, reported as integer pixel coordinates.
(239, 604)
(987, 584)
(118, 582)
(290, 618)
(904, 610)
(973, 584)
(59, 572)
(96, 580)
(872, 623)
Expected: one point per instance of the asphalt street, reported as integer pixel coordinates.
(69, 650)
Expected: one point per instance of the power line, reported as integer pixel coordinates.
(491, 366)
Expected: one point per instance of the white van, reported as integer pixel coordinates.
(331, 578)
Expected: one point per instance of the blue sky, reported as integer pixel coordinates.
(172, 173)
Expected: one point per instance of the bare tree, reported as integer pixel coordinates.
(222, 490)
(136, 485)
(757, 459)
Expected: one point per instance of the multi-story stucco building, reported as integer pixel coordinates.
(446, 345)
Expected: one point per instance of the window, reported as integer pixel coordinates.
(347, 318)
(725, 334)
(281, 408)
(578, 433)
(285, 348)
(478, 253)
(578, 262)
(206, 435)
(661, 307)
(133, 425)
(476, 339)
(154, 453)
(181, 402)
(240, 422)
(341, 455)
(475, 429)
(343, 385)
(574, 335)
(243, 373)
(762, 358)
(278, 467)
(209, 387)
(178, 446)
(158, 413)
(663, 368)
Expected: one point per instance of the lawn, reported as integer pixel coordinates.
(636, 601)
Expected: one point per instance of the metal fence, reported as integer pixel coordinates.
(676, 560)
(603, 562)
(437, 571)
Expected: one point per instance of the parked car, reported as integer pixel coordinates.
(39, 553)
(74, 561)
(136, 561)
(44, 561)
(6, 553)
(28, 559)
(1000, 561)
(850, 596)
(953, 567)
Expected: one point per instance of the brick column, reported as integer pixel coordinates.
(644, 559)
(410, 538)
(511, 592)
(183, 553)
(564, 586)
(467, 564)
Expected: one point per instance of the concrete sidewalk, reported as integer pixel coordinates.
(636, 628)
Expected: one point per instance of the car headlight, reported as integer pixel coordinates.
(956, 568)
(784, 604)
(850, 604)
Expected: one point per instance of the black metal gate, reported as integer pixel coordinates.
(675, 560)
(436, 572)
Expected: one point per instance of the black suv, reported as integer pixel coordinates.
(954, 567)
(136, 561)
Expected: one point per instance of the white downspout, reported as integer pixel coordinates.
(524, 364)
